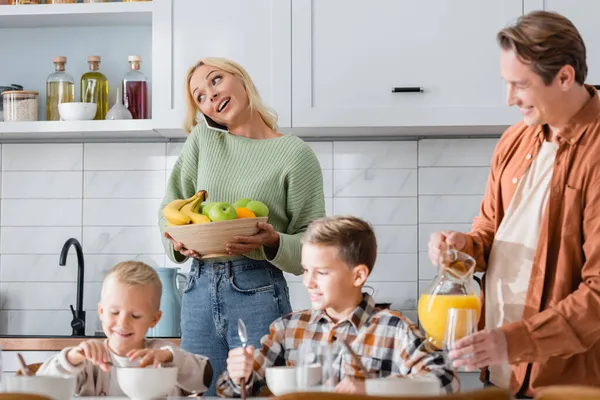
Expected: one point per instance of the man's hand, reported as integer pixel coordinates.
(440, 241)
(481, 349)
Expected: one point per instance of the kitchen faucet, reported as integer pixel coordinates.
(78, 321)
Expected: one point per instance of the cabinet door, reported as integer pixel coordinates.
(348, 55)
(256, 34)
(583, 15)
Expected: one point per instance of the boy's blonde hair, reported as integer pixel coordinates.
(351, 236)
(135, 273)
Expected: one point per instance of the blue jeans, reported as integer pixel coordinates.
(219, 292)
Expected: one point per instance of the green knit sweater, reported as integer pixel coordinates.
(282, 172)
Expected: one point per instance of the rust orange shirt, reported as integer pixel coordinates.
(557, 341)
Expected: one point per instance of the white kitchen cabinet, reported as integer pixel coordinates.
(582, 13)
(348, 55)
(254, 33)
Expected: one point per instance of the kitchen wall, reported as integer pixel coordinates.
(107, 196)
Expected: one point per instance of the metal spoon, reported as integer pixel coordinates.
(243, 334)
(356, 359)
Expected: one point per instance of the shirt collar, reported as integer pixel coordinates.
(357, 318)
(580, 121)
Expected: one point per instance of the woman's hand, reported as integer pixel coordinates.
(181, 248)
(266, 236)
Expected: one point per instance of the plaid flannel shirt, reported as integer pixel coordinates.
(388, 343)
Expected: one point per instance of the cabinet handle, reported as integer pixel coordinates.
(407, 90)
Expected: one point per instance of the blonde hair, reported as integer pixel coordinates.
(135, 273)
(254, 101)
(353, 238)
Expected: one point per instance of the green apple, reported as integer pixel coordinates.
(241, 202)
(259, 208)
(206, 207)
(222, 212)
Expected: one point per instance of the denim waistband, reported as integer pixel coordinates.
(225, 263)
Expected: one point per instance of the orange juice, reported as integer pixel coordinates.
(433, 311)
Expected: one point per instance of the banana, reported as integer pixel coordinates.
(173, 211)
(192, 208)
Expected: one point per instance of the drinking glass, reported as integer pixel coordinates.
(460, 323)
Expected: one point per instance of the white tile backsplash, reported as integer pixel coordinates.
(124, 184)
(125, 156)
(41, 212)
(375, 182)
(41, 185)
(42, 157)
(107, 195)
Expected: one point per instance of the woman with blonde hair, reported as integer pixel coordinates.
(235, 151)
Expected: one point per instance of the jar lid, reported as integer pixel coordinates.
(94, 58)
(20, 92)
(135, 58)
(61, 59)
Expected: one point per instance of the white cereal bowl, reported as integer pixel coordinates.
(282, 380)
(147, 383)
(77, 111)
(395, 386)
(56, 387)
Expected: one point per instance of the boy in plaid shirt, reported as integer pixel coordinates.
(338, 254)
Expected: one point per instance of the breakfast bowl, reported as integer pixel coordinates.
(209, 239)
(284, 379)
(147, 383)
(77, 111)
(56, 387)
(398, 386)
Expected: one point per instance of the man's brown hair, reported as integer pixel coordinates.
(353, 238)
(546, 41)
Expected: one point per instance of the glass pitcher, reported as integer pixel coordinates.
(451, 288)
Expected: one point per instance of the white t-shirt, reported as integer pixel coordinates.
(513, 250)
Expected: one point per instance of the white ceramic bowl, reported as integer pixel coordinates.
(147, 383)
(77, 111)
(59, 388)
(282, 380)
(394, 386)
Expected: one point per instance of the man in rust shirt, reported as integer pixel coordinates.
(537, 236)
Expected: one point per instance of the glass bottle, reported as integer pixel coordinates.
(60, 88)
(135, 90)
(94, 87)
(451, 288)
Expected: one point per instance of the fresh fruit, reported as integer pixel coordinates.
(206, 207)
(172, 211)
(192, 207)
(243, 212)
(199, 218)
(259, 208)
(241, 203)
(222, 211)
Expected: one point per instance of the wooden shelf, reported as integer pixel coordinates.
(84, 14)
(57, 130)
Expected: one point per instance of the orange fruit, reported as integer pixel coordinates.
(244, 212)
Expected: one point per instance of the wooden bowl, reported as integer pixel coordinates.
(209, 239)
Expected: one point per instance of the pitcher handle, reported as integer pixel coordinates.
(184, 276)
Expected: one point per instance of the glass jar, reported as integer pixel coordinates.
(135, 90)
(451, 288)
(20, 105)
(60, 88)
(7, 89)
(19, 2)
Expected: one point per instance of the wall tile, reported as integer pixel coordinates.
(448, 209)
(37, 268)
(394, 268)
(375, 155)
(375, 183)
(396, 239)
(173, 151)
(121, 212)
(379, 210)
(38, 212)
(36, 240)
(456, 152)
(35, 322)
(41, 185)
(125, 156)
(124, 184)
(122, 240)
(97, 265)
(42, 157)
(324, 152)
(452, 181)
(328, 183)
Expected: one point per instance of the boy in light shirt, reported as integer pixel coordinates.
(338, 254)
(129, 306)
